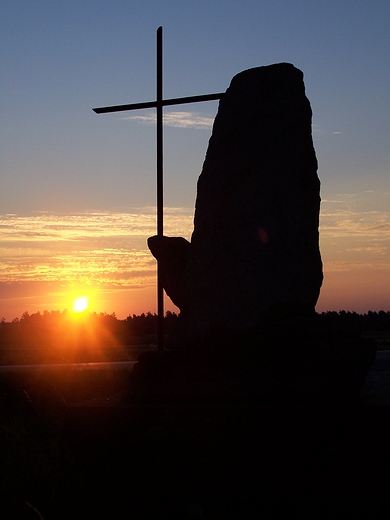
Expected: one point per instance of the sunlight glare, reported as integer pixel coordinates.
(80, 304)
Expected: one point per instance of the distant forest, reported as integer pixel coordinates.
(66, 329)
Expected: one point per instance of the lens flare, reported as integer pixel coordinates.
(262, 235)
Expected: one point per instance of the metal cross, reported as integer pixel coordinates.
(159, 104)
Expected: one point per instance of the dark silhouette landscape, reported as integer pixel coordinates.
(254, 409)
(72, 445)
(63, 337)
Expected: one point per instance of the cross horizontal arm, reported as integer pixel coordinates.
(165, 103)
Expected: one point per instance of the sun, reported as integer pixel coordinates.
(80, 304)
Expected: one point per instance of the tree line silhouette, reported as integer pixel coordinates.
(58, 328)
(371, 321)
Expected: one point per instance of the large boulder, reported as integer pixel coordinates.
(255, 246)
(248, 282)
(254, 256)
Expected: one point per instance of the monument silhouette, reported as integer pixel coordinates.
(254, 255)
(248, 282)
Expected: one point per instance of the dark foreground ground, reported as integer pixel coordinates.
(106, 457)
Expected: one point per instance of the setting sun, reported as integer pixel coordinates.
(80, 304)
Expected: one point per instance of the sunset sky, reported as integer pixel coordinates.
(78, 190)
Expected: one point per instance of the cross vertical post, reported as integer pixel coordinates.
(160, 193)
(159, 104)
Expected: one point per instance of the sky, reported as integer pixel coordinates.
(78, 190)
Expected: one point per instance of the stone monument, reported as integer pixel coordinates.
(254, 254)
(248, 282)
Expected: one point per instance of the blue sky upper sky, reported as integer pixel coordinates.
(59, 159)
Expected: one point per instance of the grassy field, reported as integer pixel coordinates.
(32, 356)
(382, 338)
(62, 457)
(60, 461)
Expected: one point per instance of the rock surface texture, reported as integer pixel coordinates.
(254, 255)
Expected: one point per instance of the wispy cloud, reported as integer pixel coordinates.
(48, 253)
(90, 248)
(317, 129)
(355, 231)
(102, 247)
(178, 120)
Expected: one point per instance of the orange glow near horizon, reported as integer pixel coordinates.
(48, 260)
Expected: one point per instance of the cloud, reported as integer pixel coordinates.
(102, 247)
(90, 248)
(178, 120)
(354, 232)
(107, 252)
(366, 215)
(316, 129)
(53, 227)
